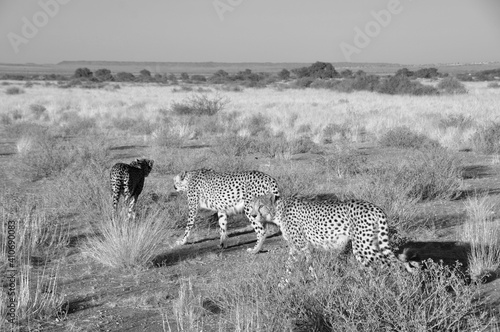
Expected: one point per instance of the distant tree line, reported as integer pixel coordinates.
(317, 75)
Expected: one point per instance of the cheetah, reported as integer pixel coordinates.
(327, 225)
(128, 180)
(227, 194)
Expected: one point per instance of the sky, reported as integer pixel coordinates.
(388, 31)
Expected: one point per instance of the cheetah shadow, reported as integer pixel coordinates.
(238, 240)
(447, 253)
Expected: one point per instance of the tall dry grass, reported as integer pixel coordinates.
(482, 230)
(345, 297)
(30, 238)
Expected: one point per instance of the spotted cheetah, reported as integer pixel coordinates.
(226, 193)
(128, 180)
(328, 225)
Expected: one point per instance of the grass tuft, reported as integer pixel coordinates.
(482, 231)
(123, 243)
(405, 138)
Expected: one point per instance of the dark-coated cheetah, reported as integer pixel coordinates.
(128, 180)
(328, 225)
(226, 193)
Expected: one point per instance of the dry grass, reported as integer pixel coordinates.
(123, 243)
(260, 129)
(482, 231)
(249, 299)
(37, 239)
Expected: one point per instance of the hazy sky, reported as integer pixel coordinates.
(404, 31)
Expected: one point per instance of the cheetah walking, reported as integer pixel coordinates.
(328, 225)
(226, 193)
(128, 180)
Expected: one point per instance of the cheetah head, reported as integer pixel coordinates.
(145, 164)
(263, 207)
(181, 181)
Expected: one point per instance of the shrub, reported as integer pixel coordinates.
(405, 138)
(493, 85)
(14, 90)
(316, 70)
(344, 161)
(398, 185)
(451, 85)
(487, 139)
(135, 125)
(200, 104)
(302, 83)
(234, 145)
(284, 74)
(322, 84)
(257, 124)
(459, 121)
(402, 85)
(83, 73)
(42, 155)
(280, 147)
(38, 111)
(230, 88)
(198, 78)
(183, 88)
(169, 136)
(104, 75)
(125, 77)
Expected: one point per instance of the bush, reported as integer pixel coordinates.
(302, 83)
(200, 104)
(316, 70)
(125, 77)
(402, 85)
(487, 139)
(83, 73)
(42, 155)
(39, 111)
(459, 121)
(104, 75)
(451, 85)
(493, 85)
(405, 138)
(14, 90)
(198, 78)
(398, 185)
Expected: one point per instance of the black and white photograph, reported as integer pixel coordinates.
(249, 165)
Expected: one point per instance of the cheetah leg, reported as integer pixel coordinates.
(131, 207)
(191, 218)
(308, 254)
(289, 265)
(223, 228)
(116, 191)
(260, 230)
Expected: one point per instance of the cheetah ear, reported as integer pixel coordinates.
(183, 175)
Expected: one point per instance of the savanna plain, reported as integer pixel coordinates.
(431, 163)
